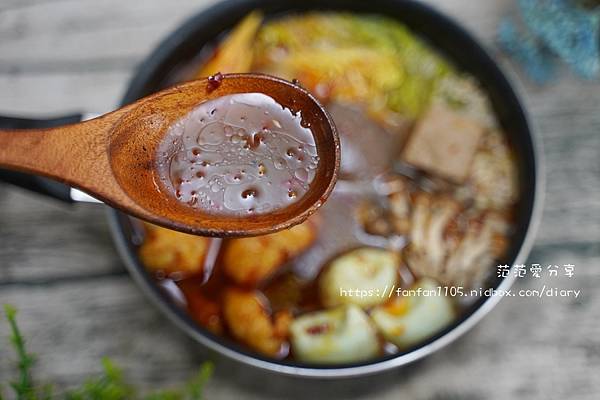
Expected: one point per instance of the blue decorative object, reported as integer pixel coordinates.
(564, 28)
(537, 61)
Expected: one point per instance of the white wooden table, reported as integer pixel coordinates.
(77, 304)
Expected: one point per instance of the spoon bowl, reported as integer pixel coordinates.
(114, 157)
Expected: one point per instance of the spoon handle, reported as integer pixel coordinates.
(34, 183)
(75, 154)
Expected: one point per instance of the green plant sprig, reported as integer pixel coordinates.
(110, 385)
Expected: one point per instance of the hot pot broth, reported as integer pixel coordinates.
(426, 194)
(239, 154)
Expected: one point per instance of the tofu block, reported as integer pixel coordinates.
(443, 142)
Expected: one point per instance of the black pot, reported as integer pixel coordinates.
(184, 44)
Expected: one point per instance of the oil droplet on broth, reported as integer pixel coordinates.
(239, 154)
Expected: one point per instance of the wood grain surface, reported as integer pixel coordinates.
(77, 303)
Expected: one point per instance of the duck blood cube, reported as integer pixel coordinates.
(443, 142)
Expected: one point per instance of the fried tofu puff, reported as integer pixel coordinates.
(339, 335)
(249, 261)
(247, 315)
(360, 277)
(172, 253)
(408, 320)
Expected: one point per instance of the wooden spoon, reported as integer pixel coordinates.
(113, 157)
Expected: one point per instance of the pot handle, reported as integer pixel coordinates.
(34, 183)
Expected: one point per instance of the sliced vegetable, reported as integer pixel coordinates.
(408, 320)
(361, 276)
(344, 334)
(365, 59)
